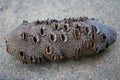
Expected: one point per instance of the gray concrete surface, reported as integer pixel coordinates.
(104, 66)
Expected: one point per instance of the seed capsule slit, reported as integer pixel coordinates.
(86, 30)
(86, 43)
(103, 38)
(53, 37)
(63, 37)
(79, 51)
(32, 59)
(49, 50)
(93, 36)
(21, 53)
(66, 27)
(34, 39)
(92, 45)
(42, 31)
(24, 36)
(94, 29)
(40, 59)
(55, 26)
(25, 21)
(77, 33)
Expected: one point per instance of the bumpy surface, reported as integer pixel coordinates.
(54, 40)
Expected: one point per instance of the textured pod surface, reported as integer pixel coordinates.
(56, 39)
(102, 66)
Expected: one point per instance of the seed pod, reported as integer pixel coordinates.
(55, 39)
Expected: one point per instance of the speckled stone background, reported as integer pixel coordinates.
(104, 66)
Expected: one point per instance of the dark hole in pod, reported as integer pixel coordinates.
(107, 45)
(77, 26)
(63, 37)
(37, 22)
(42, 31)
(31, 59)
(92, 45)
(104, 37)
(25, 21)
(92, 18)
(21, 53)
(54, 20)
(87, 30)
(56, 26)
(79, 51)
(93, 36)
(66, 27)
(24, 36)
(52, 37)
(48, 49)
(77, 33)
(86, 43)
(40, 59)
(94, 29)
(35, 39)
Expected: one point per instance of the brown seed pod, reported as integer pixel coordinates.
(57, 39)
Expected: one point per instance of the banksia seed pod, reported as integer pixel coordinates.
(54, 40)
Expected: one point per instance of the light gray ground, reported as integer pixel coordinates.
(104, 66)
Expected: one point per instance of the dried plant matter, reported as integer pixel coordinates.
(54, 40)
